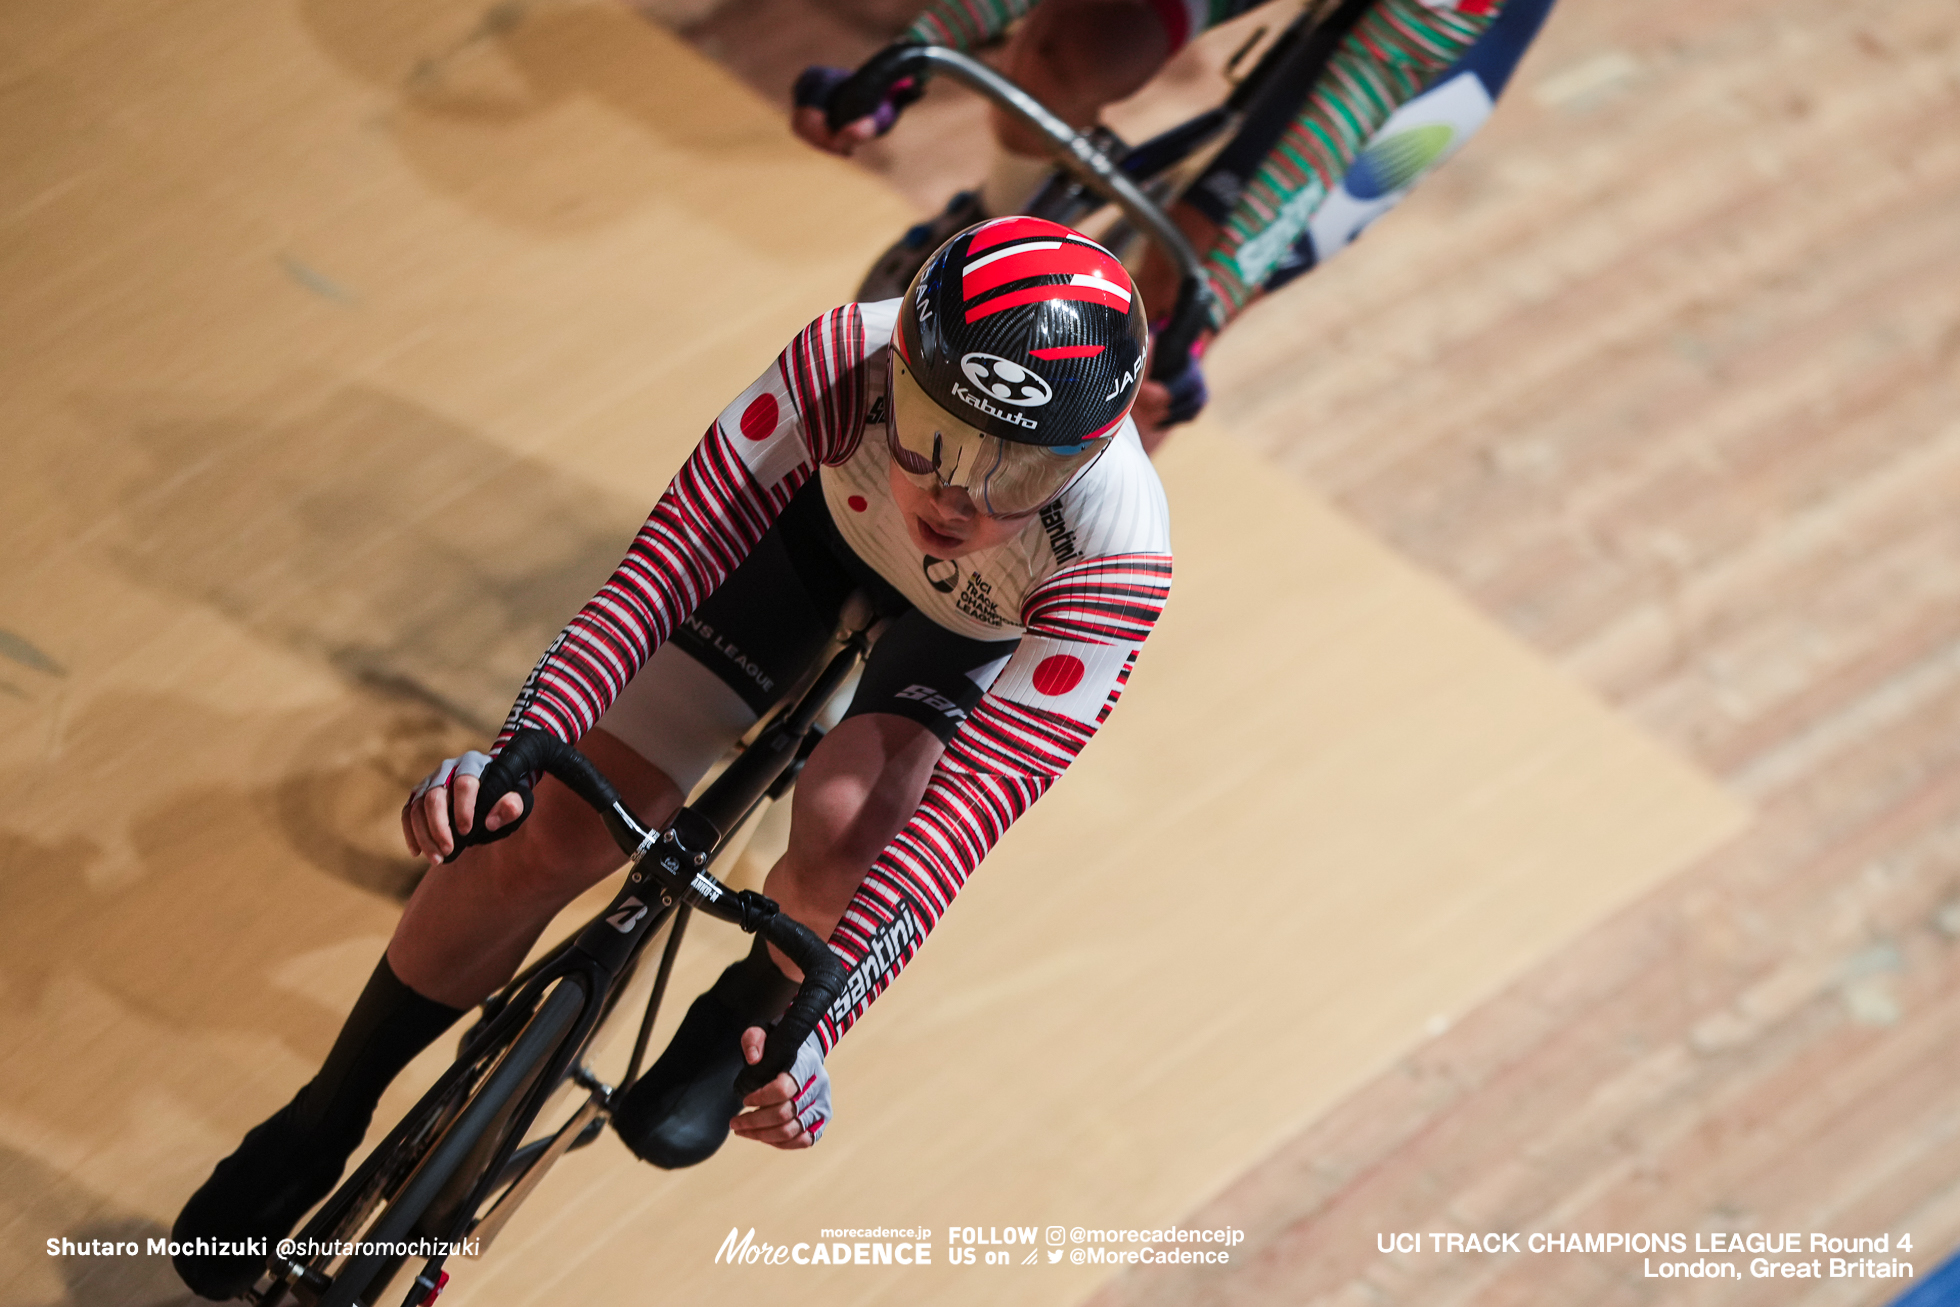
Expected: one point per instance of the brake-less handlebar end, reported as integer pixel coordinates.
(888, 81)
(530, 753)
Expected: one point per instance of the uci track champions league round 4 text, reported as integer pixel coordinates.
(1703, 1255)
(1664, 1255)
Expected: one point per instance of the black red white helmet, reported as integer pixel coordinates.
(1019, 350)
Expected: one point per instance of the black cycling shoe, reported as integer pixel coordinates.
(677, 1114)
(280, 1170)
(893, 272)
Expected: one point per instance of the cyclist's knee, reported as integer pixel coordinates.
(1078, 55)
(860, 786)
(544, 861)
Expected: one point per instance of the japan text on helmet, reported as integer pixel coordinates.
(1020, 348)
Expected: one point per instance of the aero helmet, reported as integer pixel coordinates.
(1019, 350)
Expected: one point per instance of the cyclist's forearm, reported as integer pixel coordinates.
(1393, 54)
(914, 881)
(965, 24)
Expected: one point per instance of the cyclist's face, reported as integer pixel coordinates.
(945, 523)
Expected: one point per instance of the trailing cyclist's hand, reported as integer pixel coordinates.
(1161, 405)
(792, 1110)
(443, 807)
(810, 119)
(812, 126)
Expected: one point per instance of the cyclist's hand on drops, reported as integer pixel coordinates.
(810, 119)
(444, 806)
(814, 127)
(1152, 413)
(1162, 405)
(792, 1110)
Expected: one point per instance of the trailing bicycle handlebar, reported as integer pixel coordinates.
(860, 94)
(678, 864)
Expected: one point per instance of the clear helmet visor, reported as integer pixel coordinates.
(1004, 478)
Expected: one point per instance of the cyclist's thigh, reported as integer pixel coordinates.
(677, 715)
(746, 645)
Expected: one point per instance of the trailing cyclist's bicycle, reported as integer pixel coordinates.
(1097, 169)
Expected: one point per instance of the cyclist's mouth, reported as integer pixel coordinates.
(932, 538)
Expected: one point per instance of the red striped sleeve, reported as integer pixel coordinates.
(1004, 756)
(806, 409)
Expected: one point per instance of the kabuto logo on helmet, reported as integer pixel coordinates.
(1011, 291)
(1006, 380)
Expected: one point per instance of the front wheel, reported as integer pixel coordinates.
(535, 1044)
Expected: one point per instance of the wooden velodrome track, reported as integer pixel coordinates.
(345, 344)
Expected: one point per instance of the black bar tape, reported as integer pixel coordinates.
(823, 981)
(860, 94)
(525, 756)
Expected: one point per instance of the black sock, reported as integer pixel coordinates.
(389, 1025)
(753, 988)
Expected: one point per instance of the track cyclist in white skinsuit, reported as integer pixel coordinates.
(965, 457)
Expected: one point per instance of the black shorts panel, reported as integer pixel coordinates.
(922, 671)
(767, 624)
(764, 626)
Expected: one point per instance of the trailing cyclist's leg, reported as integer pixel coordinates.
(1078, 56)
